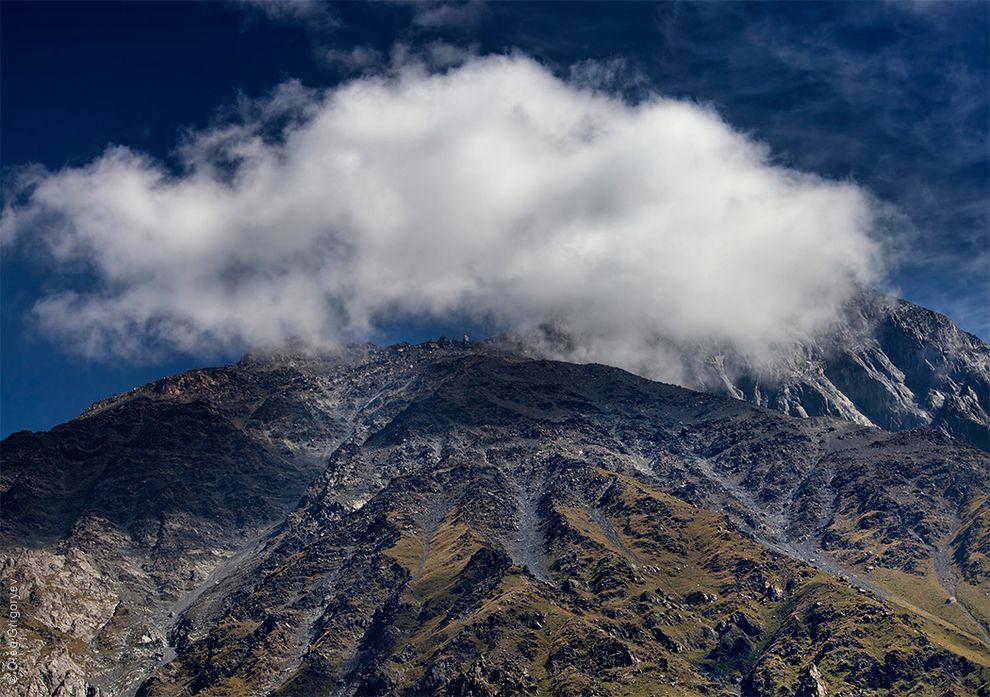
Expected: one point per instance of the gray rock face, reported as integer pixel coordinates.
(893, 365)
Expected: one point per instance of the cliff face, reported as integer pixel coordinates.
(450, 518)
(893, 364)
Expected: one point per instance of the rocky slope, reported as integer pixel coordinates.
(889, 363)
(451, 518)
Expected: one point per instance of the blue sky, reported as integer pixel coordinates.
(892, 97)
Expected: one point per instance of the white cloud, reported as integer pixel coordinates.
(494, 189)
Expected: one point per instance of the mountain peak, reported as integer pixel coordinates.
(443, 518)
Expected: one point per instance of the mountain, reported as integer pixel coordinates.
(454, 518)
(887, 363)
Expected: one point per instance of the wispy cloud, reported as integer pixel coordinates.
(423, 15)
(436, 55)
(316, 14)
(465, 14)
(355, 60)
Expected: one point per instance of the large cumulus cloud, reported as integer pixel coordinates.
(494, 189)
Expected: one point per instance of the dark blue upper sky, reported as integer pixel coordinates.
(892, 96)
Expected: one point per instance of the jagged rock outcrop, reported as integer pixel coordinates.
(811, 684)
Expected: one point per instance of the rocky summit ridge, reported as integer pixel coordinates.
(887, 363)
(454, 518)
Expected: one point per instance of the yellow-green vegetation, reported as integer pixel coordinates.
(231, 687)
(924, 594)
(970, 548)
(433, 558)
(976, 598)
(665, 598)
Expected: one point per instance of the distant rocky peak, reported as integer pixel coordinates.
(886, 362)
